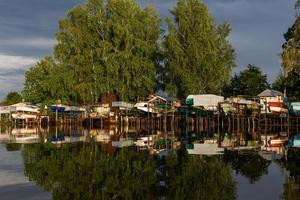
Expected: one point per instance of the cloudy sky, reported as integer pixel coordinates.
(27, 29)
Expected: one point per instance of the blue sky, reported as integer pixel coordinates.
(27, 29)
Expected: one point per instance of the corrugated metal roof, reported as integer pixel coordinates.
(270, 93)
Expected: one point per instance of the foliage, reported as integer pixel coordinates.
(250, 82)
(194, 177)
(13, 147)
(290, 55)
(84, 171)
(291, 189)
(12, 98)
(47, 82)
(103, 47)
(198, 56)
(292, 185)
(111, 48)
(291, 84)
(251, 165)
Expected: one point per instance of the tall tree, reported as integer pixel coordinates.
(199, 58)
(290, 83)
(111, 48)
(290, 56)
(47, 81)
(12, 98)
(250, 82)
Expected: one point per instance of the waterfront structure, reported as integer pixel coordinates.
(207, 101)
(272, 101)
(24, 111)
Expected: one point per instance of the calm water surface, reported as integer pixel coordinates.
(96, 165)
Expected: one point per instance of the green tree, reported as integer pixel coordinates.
(290, 60)
(290, 83)
(110, 46)
(48, 81)
(250, 82)
(198, 56)
(12, 98)
(290, 55)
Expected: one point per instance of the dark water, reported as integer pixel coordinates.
(88, 165)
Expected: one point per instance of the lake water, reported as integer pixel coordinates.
(105, 164)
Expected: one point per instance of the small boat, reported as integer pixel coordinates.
(144, 106)
(277, 107)
(294, 108)
(20, 115)
(294, 141)
(228, 107)
(275, 141)
(144, 142)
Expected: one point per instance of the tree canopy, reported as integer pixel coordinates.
(12, 98)
(198, 56)
(103, 47)
(118, 47)
(290, 56)
(250, 81)
(47, 81)
(290, 83)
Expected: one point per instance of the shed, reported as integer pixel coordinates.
(208, 101)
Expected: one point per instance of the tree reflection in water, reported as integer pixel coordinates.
(292, 185)
(83, 171)
(194, 177)
(250, 165)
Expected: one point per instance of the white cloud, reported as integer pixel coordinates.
(11, 72)
(29, 42)
(9, 62)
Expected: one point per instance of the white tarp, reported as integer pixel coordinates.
(121, 104)
(206, 100)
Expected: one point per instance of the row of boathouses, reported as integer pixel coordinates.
(213, 121)
(110, 110)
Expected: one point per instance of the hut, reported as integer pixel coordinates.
(272, 101)
(24, 111)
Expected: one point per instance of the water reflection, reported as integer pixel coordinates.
(85, 171)
(249, 164)
(115, 163)
(292, 185)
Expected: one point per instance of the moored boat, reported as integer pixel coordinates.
(275, 141)
(294, 108)
(294, 141)
(146, 107)
(144, 142)
(277, 107)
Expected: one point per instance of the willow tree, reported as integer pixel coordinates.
(111, 47)
(199, 58)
